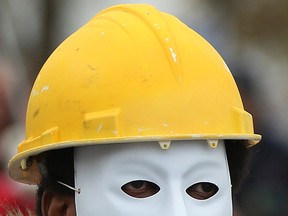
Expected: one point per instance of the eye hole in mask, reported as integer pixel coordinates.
(140, 188)
(202, 190)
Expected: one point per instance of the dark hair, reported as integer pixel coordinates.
(54, 166)
(239, 158)
(58, 165)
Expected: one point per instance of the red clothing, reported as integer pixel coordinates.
(13, 199)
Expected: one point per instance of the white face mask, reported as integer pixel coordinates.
(141, 179)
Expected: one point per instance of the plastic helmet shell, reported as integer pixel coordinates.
(132, 73)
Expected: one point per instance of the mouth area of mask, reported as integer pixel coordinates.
(188, 179)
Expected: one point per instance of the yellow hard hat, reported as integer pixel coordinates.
(132, 73)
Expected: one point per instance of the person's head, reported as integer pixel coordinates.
(6, 117)
(135, 113)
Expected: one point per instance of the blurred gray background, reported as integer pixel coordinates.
(252, 37)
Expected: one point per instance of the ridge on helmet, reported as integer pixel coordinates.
(132, 73)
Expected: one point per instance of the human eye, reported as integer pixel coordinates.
(140, 188)
(202, 190)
